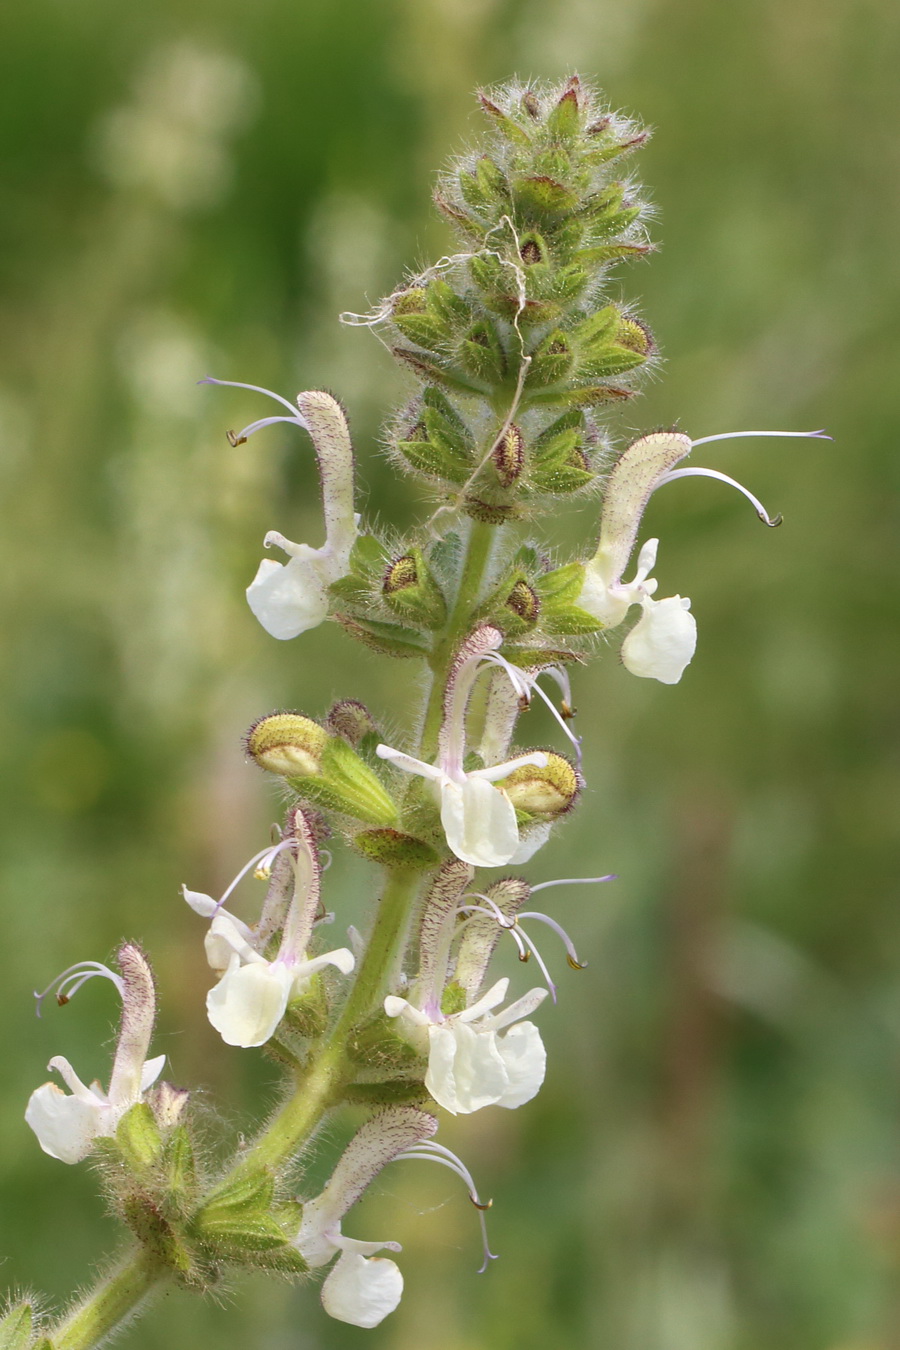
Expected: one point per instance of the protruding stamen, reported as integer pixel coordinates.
(761, 511)
(67, 984)
(253, 427)
(573, 881)
(525, 684)
(260, 864)
(429, 1151)
(258, 389)
(526, 946)
(571, 953)
(821, 435)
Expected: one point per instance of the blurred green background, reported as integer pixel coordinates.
(202, 185)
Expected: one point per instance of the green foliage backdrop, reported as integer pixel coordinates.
(197, 185)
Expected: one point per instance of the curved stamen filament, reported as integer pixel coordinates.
(72, 978)
(238, 437)
(429, 1151)
(524, 685)
(821, 435)
(525, 944)
(761, 511)
(257, 389)
(573, 881)
(260, 863)
(561, 933)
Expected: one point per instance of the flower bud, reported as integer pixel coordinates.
(352, 720)
(323, 769)
(547, 792)
(565, 118)
(410, 589)
(287, 744)
(508, 455)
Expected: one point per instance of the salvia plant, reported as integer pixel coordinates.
(517, 349)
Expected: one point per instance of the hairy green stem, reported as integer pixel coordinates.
(114, 1299)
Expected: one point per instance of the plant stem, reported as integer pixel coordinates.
(114, 1299)
(316, 1089)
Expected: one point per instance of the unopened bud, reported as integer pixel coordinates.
(287, 744)
(168, 1104)
(508, 455)
(352, 720)
(521, 609)
(565, 117)
(322, 768)
(410, 589)
(532, 249)
(546, 792)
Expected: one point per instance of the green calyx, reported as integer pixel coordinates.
(411, 591)
(322, 768)
(16, 1328)
(244, 1221)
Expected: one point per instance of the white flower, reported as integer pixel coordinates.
(289, 598)
(361, 1288)
(253, 993)
(479, 820)
(252, 996)
(663, 642)
(67, 1125)
(470, 1064)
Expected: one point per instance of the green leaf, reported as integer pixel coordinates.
(611, 360)
(427, 458)
(368, 556)
(551, 360)
(424, 330)
(392, 848)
